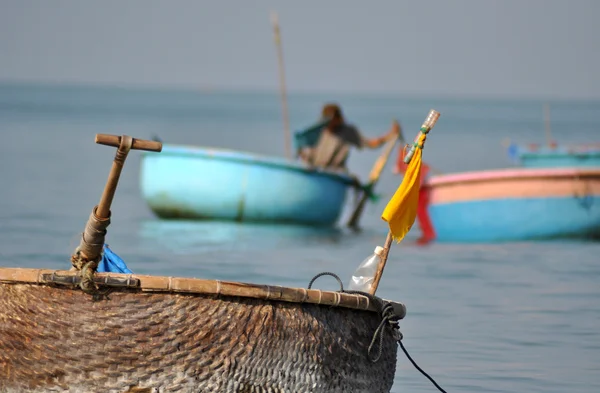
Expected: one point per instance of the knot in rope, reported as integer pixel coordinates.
(86, 268)
(388, 318)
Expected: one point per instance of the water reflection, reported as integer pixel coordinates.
(189, 237)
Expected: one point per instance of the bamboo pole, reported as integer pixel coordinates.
(379, 272)
(92, 239)
(282, 88)
(428, 124)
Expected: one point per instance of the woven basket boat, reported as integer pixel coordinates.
(164, 334)
(82, 331)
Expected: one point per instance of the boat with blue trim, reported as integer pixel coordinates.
(515, 204)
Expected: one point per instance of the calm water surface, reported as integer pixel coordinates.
(516, 317)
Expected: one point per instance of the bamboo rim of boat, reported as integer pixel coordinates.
(182, 285)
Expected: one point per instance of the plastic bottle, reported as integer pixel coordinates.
(362, 279)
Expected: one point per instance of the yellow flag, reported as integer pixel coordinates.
(401, 210)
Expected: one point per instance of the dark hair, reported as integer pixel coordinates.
(332, 111)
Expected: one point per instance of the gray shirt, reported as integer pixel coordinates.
(331, 151)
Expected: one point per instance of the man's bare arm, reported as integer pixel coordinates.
(374, 143)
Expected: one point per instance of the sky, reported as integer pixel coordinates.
(461, 48)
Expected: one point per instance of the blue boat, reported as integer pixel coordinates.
(215, 184)
(534, 156)
(554, 155)
(516, 204)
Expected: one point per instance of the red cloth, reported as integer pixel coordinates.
(427, 230)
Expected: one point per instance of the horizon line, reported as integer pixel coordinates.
(208, 89)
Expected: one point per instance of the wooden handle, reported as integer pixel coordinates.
(136, 144)
(382, 160)
(373, 179)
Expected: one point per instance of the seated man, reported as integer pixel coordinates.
(333, 146)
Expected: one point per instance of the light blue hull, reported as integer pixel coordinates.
(210, 184)
(559, 157)
(499, 220)
(580, 160)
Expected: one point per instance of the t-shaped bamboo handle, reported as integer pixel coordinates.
(92, 241)
(136, 144)
(124, 143)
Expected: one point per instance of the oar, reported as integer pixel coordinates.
(373, 179)
(88, 254)
(284, 107)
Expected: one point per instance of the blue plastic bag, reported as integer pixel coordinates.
(112, 263)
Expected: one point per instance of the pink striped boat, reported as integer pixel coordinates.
(516, 204)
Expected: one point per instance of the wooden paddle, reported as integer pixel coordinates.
(284, 106)
(373, 179)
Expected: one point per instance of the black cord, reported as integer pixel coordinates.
(419, 368)
(386, 311)
(339, 280)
